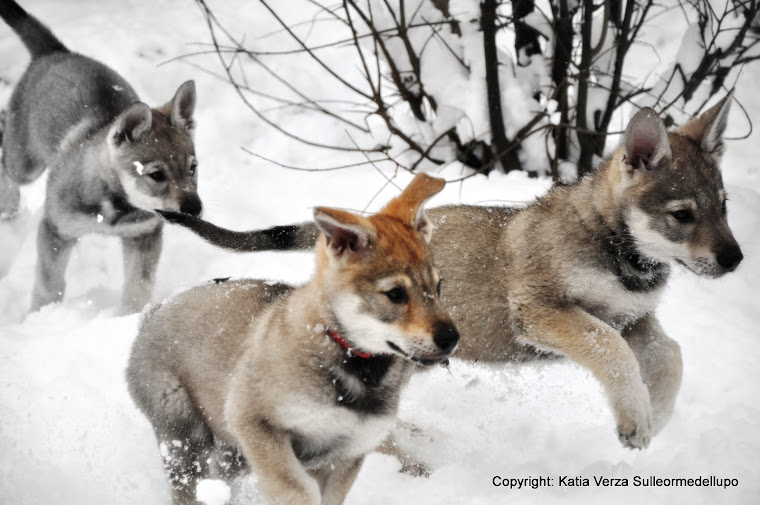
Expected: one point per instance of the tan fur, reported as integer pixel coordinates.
(247, 365)
(543, 279)
(421, 189)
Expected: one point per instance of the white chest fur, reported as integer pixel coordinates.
(333, 432)
(601, 294)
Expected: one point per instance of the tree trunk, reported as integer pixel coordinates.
(503, 151)
(526, 38)
(588, 138)
(563, 46)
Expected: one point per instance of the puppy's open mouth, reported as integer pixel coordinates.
(443, 359)
(428, 362)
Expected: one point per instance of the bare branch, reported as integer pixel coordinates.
(311, 53)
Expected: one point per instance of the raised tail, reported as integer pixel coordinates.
(278, 238)
(35, 36)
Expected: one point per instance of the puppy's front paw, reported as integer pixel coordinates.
(633, 411)
(409, 464)
(414, 468)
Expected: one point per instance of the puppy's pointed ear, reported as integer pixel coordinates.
(181, 108)
(409, 206)
(345, 233)
(645, 143)
(131, 125)
(708, 128)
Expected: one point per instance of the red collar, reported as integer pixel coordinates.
(344, 344)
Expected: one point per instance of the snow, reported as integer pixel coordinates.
(213, 492)
(70, 434)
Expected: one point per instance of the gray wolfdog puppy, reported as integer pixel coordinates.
(579, 272)
(303, 382)
(113, 159)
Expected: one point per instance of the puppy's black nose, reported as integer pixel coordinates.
(730, 257)
(446, 337)
(191, 205)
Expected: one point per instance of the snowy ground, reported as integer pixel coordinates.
(69, 433)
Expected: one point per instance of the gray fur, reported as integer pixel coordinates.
(82, 120)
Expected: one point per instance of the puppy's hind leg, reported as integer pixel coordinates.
(18, 165)
(184, 439)
(661, 366)
(185, 462)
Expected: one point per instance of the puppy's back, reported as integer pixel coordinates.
(187, 346)
(64, 91)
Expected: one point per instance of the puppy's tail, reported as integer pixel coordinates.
(36, 37)
(278, 238)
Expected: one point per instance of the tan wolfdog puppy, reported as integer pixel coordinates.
(303, 382)
(580, 272)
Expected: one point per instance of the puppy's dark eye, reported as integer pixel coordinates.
(438, 288)
(723, 208)
(193, 168)
(157, 176)
(683, 216)
(397, 295)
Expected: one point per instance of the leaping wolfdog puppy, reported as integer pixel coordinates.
(303, 382)
(113, 159)
(579, 272)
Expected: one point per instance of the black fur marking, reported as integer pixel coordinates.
(375, 397)
(123, 212)
(310, 454)
(119, 211)
(120, 207)
(635, 272)
(371, 371)
(266, 426)
(395, 347)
